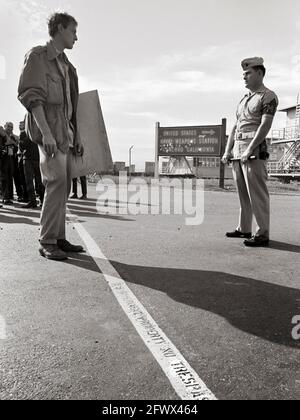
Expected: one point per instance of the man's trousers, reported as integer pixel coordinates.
(7, 177)
(83, 182)
(19, 186)
(33, 180)
(251, 179)
(57, 181)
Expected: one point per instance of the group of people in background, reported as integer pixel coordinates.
(20, 170)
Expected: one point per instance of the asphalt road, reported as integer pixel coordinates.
(227, 309)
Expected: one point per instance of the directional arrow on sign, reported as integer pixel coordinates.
(211, 132)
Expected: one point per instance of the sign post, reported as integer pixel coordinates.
(223, 146)
(157, 128)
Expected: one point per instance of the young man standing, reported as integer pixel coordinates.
(248, 144)
(48, 89)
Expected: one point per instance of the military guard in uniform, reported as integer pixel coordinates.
(247, 148)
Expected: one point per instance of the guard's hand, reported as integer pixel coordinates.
(50, 145)
(246, 155)
(226, 158)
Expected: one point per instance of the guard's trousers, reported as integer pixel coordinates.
(251, 179)
(57, 181)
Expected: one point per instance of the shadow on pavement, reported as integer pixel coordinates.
(93, 202)
(76, 210)
(83, 261)
(84, 212)
(86, 203)
(93, 205)
(258, 308)
(9, 218)
(281, 246)
(255, 307)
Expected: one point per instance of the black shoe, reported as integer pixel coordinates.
(257, 241)
(30, 205)
(83, 197)
(21, 200)
(52, 252)
(65, 246)
(74, 196)
(238, 234)
(8, 203)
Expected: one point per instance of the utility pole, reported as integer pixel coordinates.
(130, 150)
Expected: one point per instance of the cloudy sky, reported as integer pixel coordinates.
(173, 61)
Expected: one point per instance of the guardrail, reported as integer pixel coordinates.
(286, 134)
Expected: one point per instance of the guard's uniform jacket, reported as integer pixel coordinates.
(249, 115)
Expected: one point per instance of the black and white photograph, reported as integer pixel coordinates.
(149, 203)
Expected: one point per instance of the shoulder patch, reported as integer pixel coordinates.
(269, 96)
(270, 108)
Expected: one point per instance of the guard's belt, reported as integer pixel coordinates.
(245, 136)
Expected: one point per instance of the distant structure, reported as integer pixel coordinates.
(149, 168)
(132, 169)
(119, 167)
(179, 166)
(164, 167)
(288, 166)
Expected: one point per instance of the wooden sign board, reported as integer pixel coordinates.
(190, 141)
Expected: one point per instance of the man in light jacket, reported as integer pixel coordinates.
(48, 89)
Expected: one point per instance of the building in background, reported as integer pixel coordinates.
(149, 168)
(119, 167)
(288, 165)
(132, 169)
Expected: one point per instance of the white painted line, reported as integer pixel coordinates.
(181, 375)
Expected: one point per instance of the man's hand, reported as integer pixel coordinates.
(78, 148)
(49, 144)
(15, 141)
(246, 155)
(2, 131)
(226, 158)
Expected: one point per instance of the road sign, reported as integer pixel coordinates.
(190, 141)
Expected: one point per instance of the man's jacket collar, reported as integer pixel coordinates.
(52, 52)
